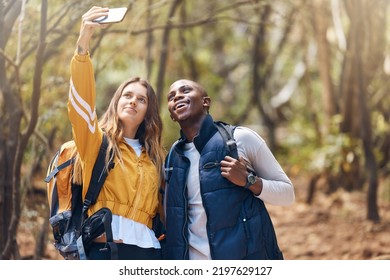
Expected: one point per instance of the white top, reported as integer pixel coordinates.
(129, 231)
(277, 187)
(198, 242)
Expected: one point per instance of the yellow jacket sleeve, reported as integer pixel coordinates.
(82, 113)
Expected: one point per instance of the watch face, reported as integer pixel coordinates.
(251, 178)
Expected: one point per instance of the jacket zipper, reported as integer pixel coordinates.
(139, 189)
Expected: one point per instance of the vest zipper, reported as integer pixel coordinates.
(210, 165)
(185, 225)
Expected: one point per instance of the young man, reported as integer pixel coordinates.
(214, 205)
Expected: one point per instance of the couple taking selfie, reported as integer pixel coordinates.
(213, 203)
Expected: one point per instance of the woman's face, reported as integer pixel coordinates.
(132, 105)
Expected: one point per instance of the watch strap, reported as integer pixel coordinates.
(249, 183)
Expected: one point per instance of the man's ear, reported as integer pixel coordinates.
(206, 103)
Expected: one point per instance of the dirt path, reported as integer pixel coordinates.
(332, 228)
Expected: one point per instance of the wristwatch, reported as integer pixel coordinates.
(250, 180)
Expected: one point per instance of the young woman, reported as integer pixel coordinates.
(133, 128)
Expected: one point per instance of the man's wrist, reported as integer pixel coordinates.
(259, 187)
(250, 180)
(256, 188)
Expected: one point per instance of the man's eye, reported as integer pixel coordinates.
(187, 89)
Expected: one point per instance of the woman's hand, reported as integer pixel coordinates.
(88, 26)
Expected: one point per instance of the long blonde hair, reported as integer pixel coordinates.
(149, 132)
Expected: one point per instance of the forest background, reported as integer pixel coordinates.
(311, 77)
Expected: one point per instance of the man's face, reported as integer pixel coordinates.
(186, 101)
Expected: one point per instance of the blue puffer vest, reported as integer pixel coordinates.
(238, 224)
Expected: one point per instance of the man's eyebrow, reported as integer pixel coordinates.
(181, 88)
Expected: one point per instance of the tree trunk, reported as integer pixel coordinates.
(9, 138)
(259, 54)
(164, 51)
(364, 48)
(321, 24)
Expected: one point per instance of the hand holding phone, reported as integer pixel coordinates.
(114, 15)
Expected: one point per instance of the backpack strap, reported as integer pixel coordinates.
(103, 218)
(54, 198)
(54, 172)
(99, 175)
(110, 239)
(226, 131)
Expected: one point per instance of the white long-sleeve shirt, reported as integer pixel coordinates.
(277, 187)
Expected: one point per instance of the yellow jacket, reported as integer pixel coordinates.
(130, 190)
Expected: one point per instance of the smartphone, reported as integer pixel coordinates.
(114, 15)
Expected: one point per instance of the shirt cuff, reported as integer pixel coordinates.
(81, 57)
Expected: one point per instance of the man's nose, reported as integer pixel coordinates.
(178, 95)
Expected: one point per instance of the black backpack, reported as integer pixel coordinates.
(73, 230)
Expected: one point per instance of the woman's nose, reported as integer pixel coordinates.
(133, 101)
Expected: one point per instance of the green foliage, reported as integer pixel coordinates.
(338, 150)
(212, 42)
(335, 152)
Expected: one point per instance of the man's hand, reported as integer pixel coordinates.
(234, 170)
